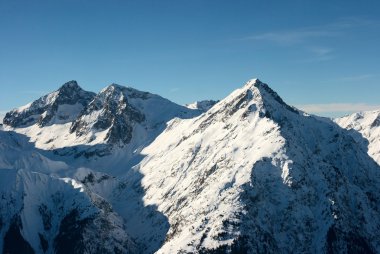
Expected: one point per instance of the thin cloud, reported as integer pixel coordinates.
(321, 51)
(360, 77)
(174, 90)
(33, 92)
(304, 34)
(319, 54)
(337, 107)
(305, 37)
(292, 37)
(353, 22)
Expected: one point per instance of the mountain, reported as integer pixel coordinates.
(60, 106)
(135, 173)
(120, 111)
(202, 105)
(123, 120)
(94, 124)
(368, 125)
(254, 175)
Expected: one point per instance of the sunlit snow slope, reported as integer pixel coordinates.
(254, 175)
(368, 125)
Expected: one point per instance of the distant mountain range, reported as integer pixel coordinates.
(368, 125)
(126, 171)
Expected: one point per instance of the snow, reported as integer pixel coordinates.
(197, 170)
(170, 171)
(202, 105)
(74, 183)
(67, 112)
(37, 194)
(23, 108)
(58, 136)
(368, 125)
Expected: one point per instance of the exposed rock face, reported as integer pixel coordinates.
(113, 113)
(60, 106)
(14, 241)
(121, 111)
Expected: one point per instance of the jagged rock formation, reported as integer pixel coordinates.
(117, 115)
(60, 106)
(119, 110)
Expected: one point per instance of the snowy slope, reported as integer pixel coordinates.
(51, 214)
(17, 153)
(255, 175)
(368, 125)
(42, 212)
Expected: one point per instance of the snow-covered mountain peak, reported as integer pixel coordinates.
(71, 117)
(112, 94)
(255, 82)
(268, 95)
(111, 88)
(72, 93)
(368, 125)
(73, 84)
(254, 175)
(361, 120)
(203, 106)
(254, 96)
(251, 82)
(60, 106)
(116, 92)
(110, 110)
(257, 90)
(119, 111)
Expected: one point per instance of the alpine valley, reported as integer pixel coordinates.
(126, 171)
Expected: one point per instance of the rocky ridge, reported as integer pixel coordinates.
(60, 106)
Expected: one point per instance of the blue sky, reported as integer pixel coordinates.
(322, 56)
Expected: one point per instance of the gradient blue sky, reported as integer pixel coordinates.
(320, 55)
